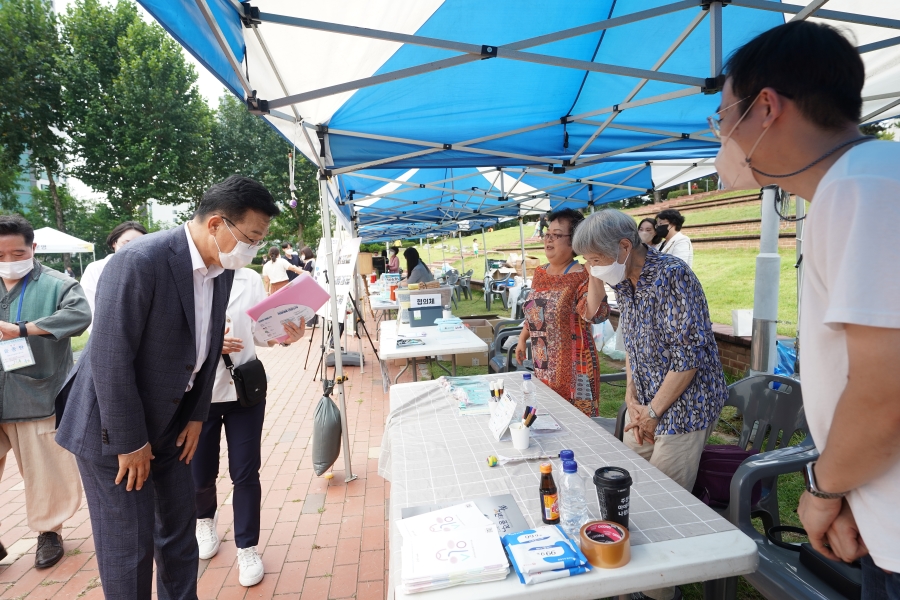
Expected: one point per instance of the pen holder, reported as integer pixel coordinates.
(521, 436)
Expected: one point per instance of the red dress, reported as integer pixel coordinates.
(565, 356)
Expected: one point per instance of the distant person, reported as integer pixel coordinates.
(275, 271)
(46, 309)
(668, 227)
(416, 269)
(70, 272)
(309, 260)
(542, 225)
(647, 233)
(292, 257)
(475, 247)
(116, 240)
(243, 430)
(394, 262)
(791, 107)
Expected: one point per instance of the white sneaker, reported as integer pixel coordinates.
(250, 565)
(207, 538)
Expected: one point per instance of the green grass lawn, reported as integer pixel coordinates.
(78, 343)
(725, 213)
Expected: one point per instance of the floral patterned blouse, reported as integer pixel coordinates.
(565, 357)
(666, 326)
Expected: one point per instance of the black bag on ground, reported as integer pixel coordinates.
(326, 435)
(250, 381)
(845, 578)
(718, 464)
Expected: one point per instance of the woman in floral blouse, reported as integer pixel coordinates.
(676, 387)
(564, 303)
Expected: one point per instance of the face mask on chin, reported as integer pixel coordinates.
(240, 256)
(732, 165)
(17, 269)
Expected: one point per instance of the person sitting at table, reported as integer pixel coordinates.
(675, 385)
(564, 303)
(418, 272)
(394, 262)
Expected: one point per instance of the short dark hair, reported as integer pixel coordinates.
(285, 245)
(121, 228)
(412, 258)
(236, 195)
(809, 63)
(566, 214)
(672, 216)
(17, 225)
(307, 253)
(394, 250)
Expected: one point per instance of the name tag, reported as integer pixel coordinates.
(425, 301)
(16, 354)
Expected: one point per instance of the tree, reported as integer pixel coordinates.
(31, 114)
(247, 145)
(882, 130)
(137, 121)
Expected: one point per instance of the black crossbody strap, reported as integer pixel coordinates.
(228, 364)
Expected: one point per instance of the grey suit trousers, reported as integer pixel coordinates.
(131, 528)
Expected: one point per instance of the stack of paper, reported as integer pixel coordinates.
(452, 546)
(544, 554)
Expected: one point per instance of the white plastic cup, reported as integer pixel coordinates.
(521, 436)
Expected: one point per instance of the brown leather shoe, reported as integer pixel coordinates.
(49, 550)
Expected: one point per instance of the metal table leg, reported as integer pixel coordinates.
(453, 360)
(415, 369)
(402, 371)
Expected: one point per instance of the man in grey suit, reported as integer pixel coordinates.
(133, 407)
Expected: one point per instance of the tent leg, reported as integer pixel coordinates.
(765, 296)
(484, 243)
(522, 242)
(461, 257)
(335, 328)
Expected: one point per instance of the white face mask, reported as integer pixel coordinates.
(17, 269)
(612, 274)
(646, 236)
(241, 256)
(731, 164)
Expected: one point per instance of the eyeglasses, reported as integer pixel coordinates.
(552, 237)
(715, 123)
(254, 244)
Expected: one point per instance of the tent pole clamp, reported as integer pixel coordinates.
(705, 4)
(488, 52)
(713, 85)
(250, 16)
(255, 106)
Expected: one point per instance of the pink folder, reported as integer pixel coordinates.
(301, 298)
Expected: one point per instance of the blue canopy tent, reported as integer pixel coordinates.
(554, 86)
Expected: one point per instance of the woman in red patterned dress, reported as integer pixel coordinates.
(564, 303)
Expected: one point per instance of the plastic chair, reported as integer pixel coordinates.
(495, 288)
(452, 279)
(614, 426)
(523, 298)
(503, 330)
(780, 576)
(465, 284)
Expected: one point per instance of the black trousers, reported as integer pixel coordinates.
(131, 528)
(243, 430)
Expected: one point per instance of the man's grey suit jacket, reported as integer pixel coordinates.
(127, 389)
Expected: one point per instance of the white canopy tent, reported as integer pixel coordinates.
(53, 241)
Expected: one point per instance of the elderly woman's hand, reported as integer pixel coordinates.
(644, 427)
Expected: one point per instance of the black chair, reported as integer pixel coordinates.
(524, 297)
(465, 284)
(503, 330)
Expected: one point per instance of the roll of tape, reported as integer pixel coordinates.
(605, 544)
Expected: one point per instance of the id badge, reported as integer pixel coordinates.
(16, 354)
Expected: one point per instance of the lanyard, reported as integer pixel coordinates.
(22, 298)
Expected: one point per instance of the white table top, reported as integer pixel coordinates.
(380, 304)
(432, 455)
(454, 342)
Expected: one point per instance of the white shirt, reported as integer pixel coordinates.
(276, 271)
(246, 293)
(203, 297)
(851, 257)
(89, 280)
(680, 247)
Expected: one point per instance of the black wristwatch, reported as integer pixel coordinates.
(23, 331)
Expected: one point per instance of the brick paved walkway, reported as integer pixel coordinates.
(320, 538)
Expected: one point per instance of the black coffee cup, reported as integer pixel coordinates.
(614, 493)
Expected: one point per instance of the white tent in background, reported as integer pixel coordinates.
(53, 241)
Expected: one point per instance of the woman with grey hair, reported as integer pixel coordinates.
(675, 388)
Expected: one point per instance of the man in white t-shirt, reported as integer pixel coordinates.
(789, 114)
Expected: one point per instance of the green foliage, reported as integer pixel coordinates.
(883, 130)
(676, 194)
(247, 145)
(136, 119)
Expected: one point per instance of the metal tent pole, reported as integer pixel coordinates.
(763, 355)
(355, 301)
(801, 214)
(484, 243)
(461, 257)
(591, 197)
(335, 325)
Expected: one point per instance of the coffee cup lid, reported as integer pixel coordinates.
(612, 477)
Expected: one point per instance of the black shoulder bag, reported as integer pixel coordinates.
(250, 381)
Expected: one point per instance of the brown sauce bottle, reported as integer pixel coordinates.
(549, 496)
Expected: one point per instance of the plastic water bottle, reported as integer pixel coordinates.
(529, 392)
(573, 511)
